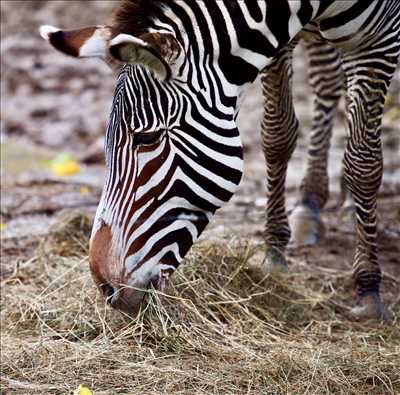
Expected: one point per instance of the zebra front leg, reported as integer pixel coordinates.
(279, 133)
(326, 79)
(367, 83)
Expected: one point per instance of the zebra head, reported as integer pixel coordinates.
(173, 156)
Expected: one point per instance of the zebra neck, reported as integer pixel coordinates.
(236, 39)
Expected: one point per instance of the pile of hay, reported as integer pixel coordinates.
(218, 332)
(69, 235)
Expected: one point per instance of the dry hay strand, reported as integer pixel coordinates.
(216, 331)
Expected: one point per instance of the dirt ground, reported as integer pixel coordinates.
(52, 105)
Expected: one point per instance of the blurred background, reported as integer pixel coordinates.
(54, 111)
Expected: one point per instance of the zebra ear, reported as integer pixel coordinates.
(86, 42)
(159, 52)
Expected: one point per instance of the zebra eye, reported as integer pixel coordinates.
(146, 138)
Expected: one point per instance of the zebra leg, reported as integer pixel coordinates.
(326, 79)
(279, 133)
(368, 79)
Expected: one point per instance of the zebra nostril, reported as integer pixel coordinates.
(108, 292)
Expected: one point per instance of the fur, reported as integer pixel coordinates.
(135, 16)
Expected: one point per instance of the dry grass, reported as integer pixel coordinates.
(218, 331)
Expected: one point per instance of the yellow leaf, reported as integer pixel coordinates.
(83, 390)
(83, 190)
(64, 165)
(67, 168)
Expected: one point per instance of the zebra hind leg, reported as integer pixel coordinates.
(326, 79)
(369, 72)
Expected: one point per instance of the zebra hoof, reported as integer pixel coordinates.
(272, 262)
(275, 261)
(306, 226)
(370, 307)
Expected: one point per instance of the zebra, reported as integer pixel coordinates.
(173, 150)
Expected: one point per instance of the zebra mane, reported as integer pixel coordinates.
(135, 16)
